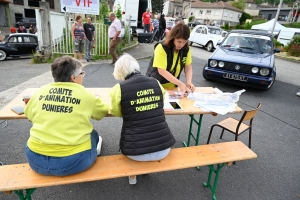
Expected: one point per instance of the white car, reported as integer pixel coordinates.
(207, 36)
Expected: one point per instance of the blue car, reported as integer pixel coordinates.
(243, 58)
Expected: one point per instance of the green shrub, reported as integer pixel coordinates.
(226, 27)
(191, 18)
(276, 43)
(293, 47)
(248, 26)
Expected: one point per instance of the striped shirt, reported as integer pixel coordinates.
(79, 31)
(156, 23)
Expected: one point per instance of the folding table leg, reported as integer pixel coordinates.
(29, 192)
(197, 138)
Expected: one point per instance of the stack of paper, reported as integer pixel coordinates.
(219, 102)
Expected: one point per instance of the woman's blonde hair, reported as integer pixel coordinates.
(125, 66)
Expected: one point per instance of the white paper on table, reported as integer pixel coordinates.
(221, 109)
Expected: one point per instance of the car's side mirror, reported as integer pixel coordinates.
(218, 43)
(276, 50)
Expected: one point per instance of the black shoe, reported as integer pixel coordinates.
(113, 62)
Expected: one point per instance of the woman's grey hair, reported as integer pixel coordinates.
(64, 67)
(125, 66)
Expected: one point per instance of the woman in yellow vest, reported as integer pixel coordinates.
(171, 58)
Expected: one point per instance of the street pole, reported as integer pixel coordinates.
(277, 14)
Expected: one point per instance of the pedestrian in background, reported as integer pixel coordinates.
(31, 29)
(146, 19)
(24, 29)
(79, 37)
(13, 29)
(89, 30)
(114, 31)
(162, 26)
(156, 27)
(20, 29)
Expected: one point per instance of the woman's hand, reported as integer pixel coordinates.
(183, 88)
(190, 86)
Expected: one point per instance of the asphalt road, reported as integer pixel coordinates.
(273, 175)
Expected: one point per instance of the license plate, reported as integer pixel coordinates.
(235, 77)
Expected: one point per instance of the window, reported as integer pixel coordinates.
(19, 2)
(204, 31)
(225, 14)
(216, 12)
(208, 12)
(29, 39)
(200, 12)
(51, 4)
(249, 5)
(12, 39)
(199, 30)
(239, 16)
(231, 14)
(33, 3)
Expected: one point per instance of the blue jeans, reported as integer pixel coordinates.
(63, 166)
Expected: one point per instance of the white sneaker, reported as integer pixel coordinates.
(298, 94)
(99, 146)
(132, 180)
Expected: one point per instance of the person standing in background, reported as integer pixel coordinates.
(146, 19)
(24, 29)
(78, 35)
(13, 29)
(156, 27)
(89, 30)
(114, 31)
(162, 26)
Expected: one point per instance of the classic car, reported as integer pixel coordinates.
(18, 44)
(206, 36)
(243, 58)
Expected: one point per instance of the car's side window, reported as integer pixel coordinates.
(199, 30)
(204, 31)
(26, 39)
(12, 39)
(20, 39)
(32, 39)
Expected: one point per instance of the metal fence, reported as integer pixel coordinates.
(62, 40)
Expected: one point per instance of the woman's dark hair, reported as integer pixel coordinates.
(180, 31)
(64, 67)
(78, 17)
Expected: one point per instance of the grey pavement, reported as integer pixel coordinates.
(274, 175)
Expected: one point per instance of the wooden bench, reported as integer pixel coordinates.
(20, 177)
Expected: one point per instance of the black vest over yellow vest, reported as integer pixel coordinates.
(145, 129)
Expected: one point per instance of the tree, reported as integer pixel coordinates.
(258, 2)
(157, 6)
(104, 10)
(240, 4)
(119, 12)
(243, 18)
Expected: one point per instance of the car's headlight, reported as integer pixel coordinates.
(213, 63)
(254, 70)
(264, 71)
(221, 64)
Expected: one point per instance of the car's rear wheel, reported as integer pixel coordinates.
(269, 87)
(204, 74)
(2, 55)
(191, 43)
(210, 47)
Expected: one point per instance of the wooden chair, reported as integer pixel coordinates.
(235, 126)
